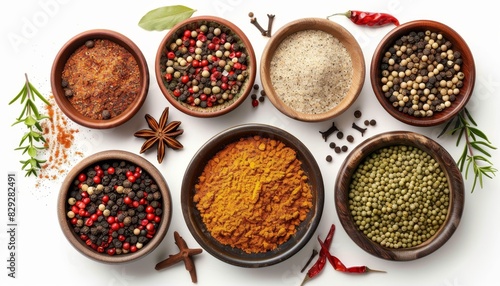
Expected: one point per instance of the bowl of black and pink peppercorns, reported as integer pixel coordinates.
(205, 66)
(423, 73)
(114, 207)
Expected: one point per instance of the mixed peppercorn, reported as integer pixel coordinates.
(421, 73)
(114, 207)
(206, 65)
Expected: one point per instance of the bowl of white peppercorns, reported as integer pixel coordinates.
(399, 195)
(114, 207)
(423, 73)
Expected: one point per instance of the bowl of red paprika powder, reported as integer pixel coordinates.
(253, 195)
(114, 207)
(205, 66)
(423, 73)
(100, 79)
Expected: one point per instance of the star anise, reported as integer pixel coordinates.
(161, 132)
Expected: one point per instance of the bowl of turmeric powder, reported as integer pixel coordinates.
(253, 195)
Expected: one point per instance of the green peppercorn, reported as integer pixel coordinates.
(399, 196)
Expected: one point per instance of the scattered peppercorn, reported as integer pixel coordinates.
(350, 138)
(329, 158)
(256, 86)
(253, 96)
(261, 99)
(367, 122)
(340, 135)
(263, 93)
(332, 145)
(373, 122)
(344, 148)
(357, 114)
(338, 149)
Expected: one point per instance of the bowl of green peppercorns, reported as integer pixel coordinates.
(114, 207)
(205, 66)
(423, 73)
(399, 195)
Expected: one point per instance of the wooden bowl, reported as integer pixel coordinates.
(447, 165)
(467, 67)
(234, 255)
(68, 108)
(194, 71)
(161, 221)
(301, 109)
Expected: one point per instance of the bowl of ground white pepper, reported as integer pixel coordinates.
(423, 73)
(100, 79)
(114, 207)
(253, 195)
(205, 66)
(312, 69)
(399, 195)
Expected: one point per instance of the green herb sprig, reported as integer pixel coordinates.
(31, 119)
(164, 18)
(475, 155)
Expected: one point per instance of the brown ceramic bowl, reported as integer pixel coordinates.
(141, 83)
(467, 67)
(184, 101)
(273, 81)
(237, 256)
(69, 188)
(447, 165)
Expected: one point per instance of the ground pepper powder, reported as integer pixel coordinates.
(253, 194)
(101, 79)
(59, 136)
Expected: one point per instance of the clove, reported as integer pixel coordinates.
(329, 132)
(269, 24)
(362, 130)
(253, 20)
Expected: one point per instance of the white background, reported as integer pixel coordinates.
(40, 28)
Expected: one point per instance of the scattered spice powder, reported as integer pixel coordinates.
(311, 71)
(101, 79)
(59, 136)
(253, 194)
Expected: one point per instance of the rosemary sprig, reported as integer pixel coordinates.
(31, 119)
(475, 154)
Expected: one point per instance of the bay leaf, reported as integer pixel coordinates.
(166, 17)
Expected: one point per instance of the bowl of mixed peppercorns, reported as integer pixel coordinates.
(114, 207)
(399, 195)
(423, 73)
(100, 79)
(205, 66)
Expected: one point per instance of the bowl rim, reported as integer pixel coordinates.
(353, 47)
(243, 94)
(67, 50)
(404, 29)
(447, 164)
(232, 255)
(109, 155)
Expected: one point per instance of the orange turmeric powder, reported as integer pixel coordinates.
(253, 194)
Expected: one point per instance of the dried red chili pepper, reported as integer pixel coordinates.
(339, 266)
(368, 18)
(320, 263)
